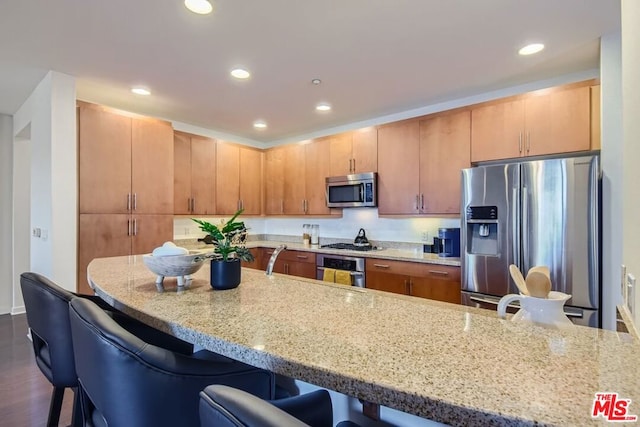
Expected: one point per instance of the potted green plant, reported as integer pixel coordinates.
(229, 250)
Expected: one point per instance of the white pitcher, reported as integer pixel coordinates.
(548, 311)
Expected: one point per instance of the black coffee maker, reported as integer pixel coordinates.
(447, 244)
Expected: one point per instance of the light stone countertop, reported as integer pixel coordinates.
(386, 253)
(453, 364)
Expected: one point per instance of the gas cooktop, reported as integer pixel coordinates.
(349, 246)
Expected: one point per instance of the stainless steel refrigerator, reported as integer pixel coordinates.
(543, 212)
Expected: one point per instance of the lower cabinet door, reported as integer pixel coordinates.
(435, 288)
(149, 232)
(388, 282)
(301, 269)
(100, 235)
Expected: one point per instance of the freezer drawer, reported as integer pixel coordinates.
(578, 316)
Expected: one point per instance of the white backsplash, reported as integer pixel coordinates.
(406, 230)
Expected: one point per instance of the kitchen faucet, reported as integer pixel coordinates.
(272, 260)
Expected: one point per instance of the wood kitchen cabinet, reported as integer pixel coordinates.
(398, 168)
(238, 179)
(549, 121)
(433, 281)
(126, 167)
(125, 163)
(194, 174)
(257, 259)
(445, 142)
(294, 263)
(316, 170)
(295, 179)
(420, 162)
(353, 152)
(274, 163)
(106, 235)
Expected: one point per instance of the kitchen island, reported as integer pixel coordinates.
(449, 363)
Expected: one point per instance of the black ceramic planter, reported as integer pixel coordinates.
(225, 274)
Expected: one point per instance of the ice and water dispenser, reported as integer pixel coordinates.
(482, 230)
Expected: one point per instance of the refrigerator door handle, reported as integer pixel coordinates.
(517, 247)
(524, 237)
(492, 302)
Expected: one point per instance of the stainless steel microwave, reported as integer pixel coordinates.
(352, 191)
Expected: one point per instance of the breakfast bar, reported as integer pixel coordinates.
(444, 362)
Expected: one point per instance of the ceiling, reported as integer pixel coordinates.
(374, 57)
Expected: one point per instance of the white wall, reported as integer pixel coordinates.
(631, 137)
(611, 157)
(51, 113)
(6, 156)
(21, 213)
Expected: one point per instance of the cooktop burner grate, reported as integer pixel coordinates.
(349, 246)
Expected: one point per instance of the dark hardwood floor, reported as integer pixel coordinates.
(24, 392)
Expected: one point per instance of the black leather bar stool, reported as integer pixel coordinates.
(223, 406)
(125, 381)
(47, 306)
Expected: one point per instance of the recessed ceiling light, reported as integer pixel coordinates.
(259, 124)
(240, 73)
(201, 7)
(530, 49)
(323, 106)
(140, 90)
(316, 81)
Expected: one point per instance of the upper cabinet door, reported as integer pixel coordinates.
(181, 173)
(445, 144)
(203, 175)
(558, 122)
(105, 161)
(365, 150)
(294, 179)
(227, 178)
(274, 181)
(317, 169)
(251, 181)
(398, 168)
(152, 166)
(340, 153)
(497, 131)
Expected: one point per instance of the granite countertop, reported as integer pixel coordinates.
(453, 364)
(385, 253)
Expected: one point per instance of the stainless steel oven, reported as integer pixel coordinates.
(354, 265)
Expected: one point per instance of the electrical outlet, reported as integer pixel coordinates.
(631, 293)
(425, 236)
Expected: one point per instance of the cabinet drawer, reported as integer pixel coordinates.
(297, 256)
(441, 272)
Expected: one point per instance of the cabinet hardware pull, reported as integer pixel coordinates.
(439, 272)
(128, 227)
(281, 206)
(422, 201)
(128, 201)
(193, 204)
(302, 256)
(304, 209)
(417, 202)
(528, 142)
(241, 204)
(520, 142)
(135, 201)
(381, 265)
(135, 227)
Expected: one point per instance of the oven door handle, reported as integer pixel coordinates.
(353, 273)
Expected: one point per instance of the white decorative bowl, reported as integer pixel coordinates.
(180, 266)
